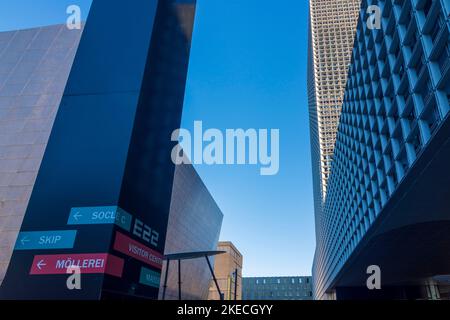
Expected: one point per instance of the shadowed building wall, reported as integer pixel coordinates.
(91, 124)
(194, 225)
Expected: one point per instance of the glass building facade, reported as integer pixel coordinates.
(387, 199)
(277, 288)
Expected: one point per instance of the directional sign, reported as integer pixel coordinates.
(100, 215)
(88, 263)
(34, 240)
(150, 278)
(132, 248)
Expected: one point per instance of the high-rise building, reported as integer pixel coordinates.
(386, 208)
(332, 26)
(228, 272)
(103, 109)
(277, 288)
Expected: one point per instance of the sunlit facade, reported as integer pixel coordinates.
(387, 196)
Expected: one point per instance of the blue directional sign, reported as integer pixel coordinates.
(100, 215)
(35, 240)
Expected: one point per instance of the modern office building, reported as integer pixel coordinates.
(277, 288)
(387, 201)
(228, 271)
(332, 25)
(102, 104)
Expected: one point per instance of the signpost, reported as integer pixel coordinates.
(37, 240)
(100, 215)
(88, 263)
(150, 278)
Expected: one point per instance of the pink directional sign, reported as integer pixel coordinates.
(138, 251)
(88, 263)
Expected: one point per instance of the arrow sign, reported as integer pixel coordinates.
(77, 215)
(87, 262)
(40, 264)
(24, 240)
(100, 215)
(36, 240)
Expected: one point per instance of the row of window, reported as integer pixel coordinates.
(262, 295)
(261, 281)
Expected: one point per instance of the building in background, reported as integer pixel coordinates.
(387, 201)
(47, 74)
(228, 271)
(332, 25)
(277, 288)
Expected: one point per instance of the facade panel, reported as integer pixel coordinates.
(392, 137)
(34, 67)
(194, 225)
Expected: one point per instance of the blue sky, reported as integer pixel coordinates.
(247, 70)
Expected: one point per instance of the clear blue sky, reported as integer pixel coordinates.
(248, 70)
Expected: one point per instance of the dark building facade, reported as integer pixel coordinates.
(103, 192)
(277, 288)
(388, 197)
(194, 225)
